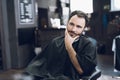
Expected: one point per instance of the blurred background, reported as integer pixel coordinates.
(27, 26)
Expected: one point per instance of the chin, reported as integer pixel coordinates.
(73, 36)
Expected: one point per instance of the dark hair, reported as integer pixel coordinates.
(80, 14)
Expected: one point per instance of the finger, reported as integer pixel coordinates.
(76, 37)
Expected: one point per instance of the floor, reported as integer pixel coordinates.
(105, 64)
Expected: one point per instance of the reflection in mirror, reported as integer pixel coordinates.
(54, 13)
(59, 14)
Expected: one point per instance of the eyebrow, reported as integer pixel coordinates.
(76, 25)
(79, 26)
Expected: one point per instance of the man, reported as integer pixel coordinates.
(67, 57)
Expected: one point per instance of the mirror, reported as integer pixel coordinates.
(53, 13)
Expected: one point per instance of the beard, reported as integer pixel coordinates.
(73, 34)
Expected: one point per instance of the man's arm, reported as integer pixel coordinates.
(71, 52)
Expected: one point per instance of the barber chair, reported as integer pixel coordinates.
(94, 76)
(97, 73)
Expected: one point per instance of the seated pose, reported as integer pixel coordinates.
(67, 57)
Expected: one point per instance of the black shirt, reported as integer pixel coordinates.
(54, 63)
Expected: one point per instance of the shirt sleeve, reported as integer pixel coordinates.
(87, 58)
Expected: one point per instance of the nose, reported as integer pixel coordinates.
(74, 28)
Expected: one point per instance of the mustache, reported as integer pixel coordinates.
(73, 32)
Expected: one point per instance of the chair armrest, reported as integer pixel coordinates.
(94, 76)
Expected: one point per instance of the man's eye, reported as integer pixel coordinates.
(71, 24)
(79, 26)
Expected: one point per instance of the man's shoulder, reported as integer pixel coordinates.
(88, 39)
(84, 38)
(58, 40)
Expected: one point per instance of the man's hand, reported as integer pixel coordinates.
(69, 40)
(71, 52)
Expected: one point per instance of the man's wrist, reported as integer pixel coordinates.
(69, 47)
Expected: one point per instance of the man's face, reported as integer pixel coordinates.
(75, 26)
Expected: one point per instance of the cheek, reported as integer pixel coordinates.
(69, 28)
(79, 31)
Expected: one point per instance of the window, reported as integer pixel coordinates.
(115, 5)
(83, 5)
